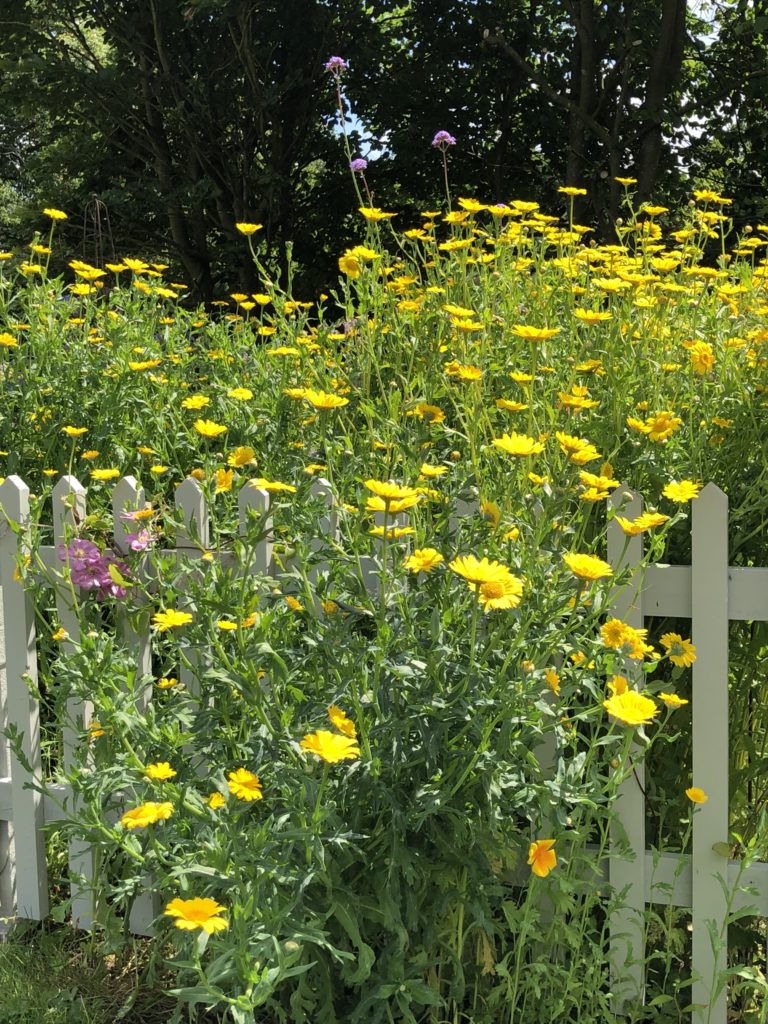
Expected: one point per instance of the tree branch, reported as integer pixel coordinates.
(499, 43)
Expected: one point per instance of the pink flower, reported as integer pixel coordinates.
(89, 567)
(79, 552)
(88, 575)
(139, 541)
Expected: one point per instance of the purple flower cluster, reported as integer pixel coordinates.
(336, 65)
(442, 140)
(358, 164)
(89, 568)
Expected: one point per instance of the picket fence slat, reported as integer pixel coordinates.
(69, 505)
(194, 533)
(626, 872)
(6, 806)
(192, 541)
(25, 840)
(708, 592)
(128, 496)
(328, 525)
(255, 501)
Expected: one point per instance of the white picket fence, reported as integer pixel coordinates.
(708, 592)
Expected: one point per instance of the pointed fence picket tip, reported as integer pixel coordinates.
(67, 485)
(709, 491)
(256, 498)
(322, 490)
(188, 491)
(622, 495)
(190, 501)
(127, 496)
(712, 502)
(14, 500)
(68, 506)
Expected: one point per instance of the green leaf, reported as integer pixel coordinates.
(366, 956)
(117, 577)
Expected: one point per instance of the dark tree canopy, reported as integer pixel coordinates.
(187, 116)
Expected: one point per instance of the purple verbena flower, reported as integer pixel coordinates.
(336, 65)
(443, 139)
(358, 164)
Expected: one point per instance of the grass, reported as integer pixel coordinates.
(49, 975)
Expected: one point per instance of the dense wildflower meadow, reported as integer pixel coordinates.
(385, 801)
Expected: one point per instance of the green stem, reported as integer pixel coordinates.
(473, 634)
(383, 573)
(320, 794)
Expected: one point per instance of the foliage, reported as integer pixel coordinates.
(184, 118)
(188, 116)
(476, 386)
(732, 157)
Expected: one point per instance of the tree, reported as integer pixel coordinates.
(538, 92)
(622, 87)
(210, 110)
(725, 141)
(188, 116)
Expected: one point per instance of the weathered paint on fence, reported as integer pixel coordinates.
(708, 592)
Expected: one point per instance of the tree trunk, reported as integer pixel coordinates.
(662, 77)
(582, 89)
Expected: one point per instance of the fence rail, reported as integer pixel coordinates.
(708, 592)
